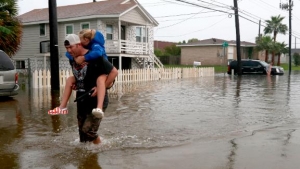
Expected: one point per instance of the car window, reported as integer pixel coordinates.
(256, 64)
(264, 63)
(233, 63)
(5, 62)
(246, 63)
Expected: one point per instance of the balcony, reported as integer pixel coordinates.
(127, 47)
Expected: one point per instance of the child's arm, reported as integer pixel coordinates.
(69, 56)
(95, 52)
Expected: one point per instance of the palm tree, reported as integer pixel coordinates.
(275, 26)
(10, 27)
(282, 49)
(264, 43)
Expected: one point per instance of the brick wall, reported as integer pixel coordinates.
(209, 55)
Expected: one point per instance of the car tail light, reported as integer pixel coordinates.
(228, 68)
(16, 78)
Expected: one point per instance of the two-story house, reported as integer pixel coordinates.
(125, 24)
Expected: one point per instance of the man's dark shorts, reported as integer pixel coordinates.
(88, 124)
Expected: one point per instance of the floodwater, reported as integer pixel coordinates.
(219, 122)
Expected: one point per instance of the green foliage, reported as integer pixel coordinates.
(172, 50)
(158, 52)
(193, 40)
(264, 43)
(275, 26)
(183, 42)
(10, 27)
(296, 58)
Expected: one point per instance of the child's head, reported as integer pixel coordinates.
(86, 36)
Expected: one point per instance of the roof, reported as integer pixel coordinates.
(216, 42)
(104, 8)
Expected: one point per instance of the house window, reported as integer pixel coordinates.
(42, 29)
(109, 32)
(20, 64)
(69, 29)
(85, 25)
(145, 34)
(138, 34)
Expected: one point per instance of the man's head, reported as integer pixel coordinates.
(73, 45)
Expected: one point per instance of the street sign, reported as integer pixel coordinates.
(225, 44)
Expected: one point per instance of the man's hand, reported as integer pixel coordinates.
(79, 59)
(95, 92)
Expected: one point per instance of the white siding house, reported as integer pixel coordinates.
(125, 24)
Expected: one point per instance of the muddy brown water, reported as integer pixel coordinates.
(212, 122)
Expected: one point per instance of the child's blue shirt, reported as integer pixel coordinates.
(96, 48)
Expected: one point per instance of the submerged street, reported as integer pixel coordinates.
(208, 123)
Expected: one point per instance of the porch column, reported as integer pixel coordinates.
(120, 62)
(119, 22)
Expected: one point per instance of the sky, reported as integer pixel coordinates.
(186, 19)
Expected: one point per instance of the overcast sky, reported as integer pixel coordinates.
(180, 21)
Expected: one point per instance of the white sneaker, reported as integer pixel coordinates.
(97, 112)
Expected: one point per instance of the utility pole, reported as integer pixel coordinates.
(238, 41)
(259, 29)
(288, 6)
(53, 45)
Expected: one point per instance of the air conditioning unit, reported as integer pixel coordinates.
(45, 47)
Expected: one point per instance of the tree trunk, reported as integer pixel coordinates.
(278, 60)
(266, 57)
(273, 57)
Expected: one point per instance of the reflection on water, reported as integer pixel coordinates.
(145, 116)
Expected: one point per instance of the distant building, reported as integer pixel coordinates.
(211, 52)
(162, 44)
(294, 51)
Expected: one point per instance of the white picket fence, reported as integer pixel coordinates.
(41, 79)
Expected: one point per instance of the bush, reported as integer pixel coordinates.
(296, 57)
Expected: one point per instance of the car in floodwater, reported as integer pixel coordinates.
(250, 66)
(8, 76)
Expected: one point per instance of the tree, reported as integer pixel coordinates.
(275, 26)
(296, 57)
(193, 40)
(280, 48)
(173, 50)
(158, 52)
(10, 27)
(264, 43)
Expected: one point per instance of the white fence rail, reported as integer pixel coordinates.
(41, 79)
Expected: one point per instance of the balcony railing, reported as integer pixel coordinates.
(126, 46)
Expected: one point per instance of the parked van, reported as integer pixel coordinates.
(8, 76)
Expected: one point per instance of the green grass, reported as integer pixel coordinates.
(218, 68)
(286, 66)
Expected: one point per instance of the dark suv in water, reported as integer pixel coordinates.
(254, 67)
(8, 76)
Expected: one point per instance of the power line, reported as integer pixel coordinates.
(202, 6)
(215, 4)
(183, 14)
(197, 30)
(193, 18)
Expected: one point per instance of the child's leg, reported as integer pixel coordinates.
(67, 91)
(101, 89)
